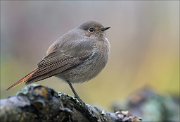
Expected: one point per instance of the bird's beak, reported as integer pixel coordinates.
(105, 28)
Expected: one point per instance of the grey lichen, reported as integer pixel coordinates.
(39, 103)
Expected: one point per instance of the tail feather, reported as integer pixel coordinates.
(23, 80)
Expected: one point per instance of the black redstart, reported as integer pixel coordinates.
(76, 56)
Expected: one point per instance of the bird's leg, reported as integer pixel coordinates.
(87, 112)
(75, 94)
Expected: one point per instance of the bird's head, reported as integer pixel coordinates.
(93, 29)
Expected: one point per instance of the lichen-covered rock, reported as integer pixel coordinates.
(39, 103)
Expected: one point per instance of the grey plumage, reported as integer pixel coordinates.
(76, 56)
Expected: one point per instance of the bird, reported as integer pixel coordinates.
(75, 57)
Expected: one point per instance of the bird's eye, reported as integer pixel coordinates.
(91, 30)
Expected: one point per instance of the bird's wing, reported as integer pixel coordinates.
(63, 59)
(57, 62)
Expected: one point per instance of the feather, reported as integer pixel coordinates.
(23, 80)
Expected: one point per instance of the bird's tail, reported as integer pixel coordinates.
(25, 79)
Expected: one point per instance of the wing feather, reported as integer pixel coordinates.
(51, 65)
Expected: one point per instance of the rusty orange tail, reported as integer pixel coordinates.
(23, 80)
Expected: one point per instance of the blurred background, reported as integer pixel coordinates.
(144, 39)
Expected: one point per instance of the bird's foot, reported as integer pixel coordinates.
(80, 101)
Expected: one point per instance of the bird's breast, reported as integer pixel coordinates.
(91, 67)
